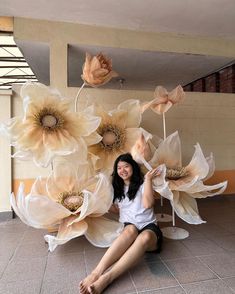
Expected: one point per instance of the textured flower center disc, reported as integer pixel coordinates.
(176, 173)
(71, 200)
(113, 137)
(49, 121)
(109, 138)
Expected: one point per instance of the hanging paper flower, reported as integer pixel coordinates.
(48, 128)
(97, 70)
(73, 206)
(120, 130)
(163, 100)
(186, 183)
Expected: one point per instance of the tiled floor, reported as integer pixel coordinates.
(202, 263)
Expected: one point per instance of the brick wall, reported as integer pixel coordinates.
(222, 81)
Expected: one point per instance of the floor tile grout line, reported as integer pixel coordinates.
(172, 274)
(13, 254)
(44, 274)
(216, 274)
(133, 283)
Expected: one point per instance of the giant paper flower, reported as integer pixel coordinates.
(73, 206)
(163, 100)
(186, 183)
(97, 70)
(120, 130)
(48, 128)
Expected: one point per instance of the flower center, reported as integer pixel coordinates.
(176, 173)
(71, 200)
(113, 137)
(49, 119)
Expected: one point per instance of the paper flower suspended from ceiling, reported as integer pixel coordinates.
(48, 128)
(97, 70)
(73, 206)
(163, 100)
(120, 130)
(186, 183)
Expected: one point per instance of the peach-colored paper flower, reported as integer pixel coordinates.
(48, 128)
(163, 100)
(70, 204)
(97, 70)
(119, 130)
(185, 183)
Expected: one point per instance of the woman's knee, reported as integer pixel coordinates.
(131, 231)
(147, 238)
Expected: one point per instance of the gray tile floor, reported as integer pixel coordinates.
(202, 263)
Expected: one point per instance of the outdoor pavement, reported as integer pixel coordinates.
(202, 263)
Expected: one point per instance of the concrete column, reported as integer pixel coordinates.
(5, 159)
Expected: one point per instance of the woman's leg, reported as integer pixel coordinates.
(146, 241)
(115, 251)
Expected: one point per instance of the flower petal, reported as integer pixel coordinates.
(199, 190)
(66, 233)
(168, 152)
(38, 210)
(160, 185)
(198, 165)
(176, 95)
(101, 231)
(132, 107)
(186, 208)
(211, 164)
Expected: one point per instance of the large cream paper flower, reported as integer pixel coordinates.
(163, 100)
(186, 183)
(72, 206)
(97, 70)
(48, 128)
(120, 130)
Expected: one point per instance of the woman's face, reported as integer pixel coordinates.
(124, 170)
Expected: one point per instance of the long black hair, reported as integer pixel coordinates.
(135, 181)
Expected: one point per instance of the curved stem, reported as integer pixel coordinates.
(76, 98)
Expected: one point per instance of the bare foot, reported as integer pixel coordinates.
(84, 284)
(99, 285)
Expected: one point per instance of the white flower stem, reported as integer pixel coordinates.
(164, 126)
(173, 215)
(164, 137)
(78, 93)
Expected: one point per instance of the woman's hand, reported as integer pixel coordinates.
(152, 173)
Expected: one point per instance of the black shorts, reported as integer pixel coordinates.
(155, 228)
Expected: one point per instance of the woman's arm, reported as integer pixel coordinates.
(148, 196)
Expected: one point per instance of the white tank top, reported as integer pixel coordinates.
(133, 211)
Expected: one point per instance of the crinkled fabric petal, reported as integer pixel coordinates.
(23, 155)
(160, 91)
(92, 139)
(118, 118)
(66, 233)
(87, 64)
(83, 124)
(198, 165)
(160, 185)
(62, 179)
(18, 204)
(134, 112)
(132, 135)
(42, 157)
(35, 91)
(186, 208)
(183, 184)
(40, 211)
(199, 190)
(168, 152)
(12, 129)
(141, 148)
(211, 164)
(101, 231)
(176, 95)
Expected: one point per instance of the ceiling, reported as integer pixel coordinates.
(139, 69)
